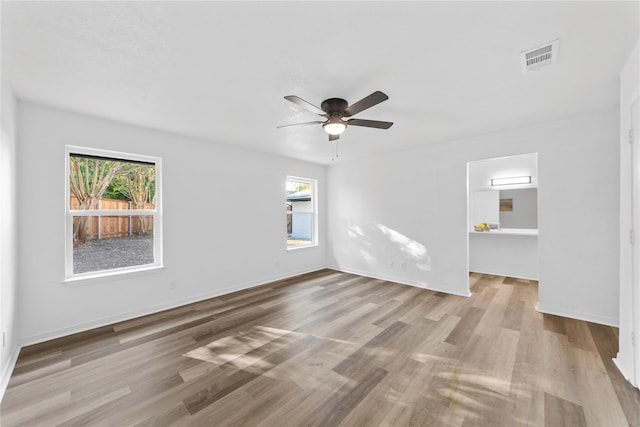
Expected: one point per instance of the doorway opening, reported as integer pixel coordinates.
(502, 209)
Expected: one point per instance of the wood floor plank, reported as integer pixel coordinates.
(463, 331)
(206, 397)
(560, 412)
(557, 367)
(331, 349)
(513, 316)
(359, 362)
(434, 344)
(345, 399)
(63, 413)
(527, 380)
(490, 362)
(555, 324)
(246, 408)
(169, 417)
(596, 394)
(393, 315)
(579, 335)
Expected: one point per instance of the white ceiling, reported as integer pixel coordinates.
(219, 70)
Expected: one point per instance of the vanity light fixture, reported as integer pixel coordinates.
(511, 180)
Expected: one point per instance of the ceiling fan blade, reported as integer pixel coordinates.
(304, 104)
(300, 124)
(370, 123)
(367, 102)
(333, 137)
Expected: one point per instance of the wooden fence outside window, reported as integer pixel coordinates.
(105, 226)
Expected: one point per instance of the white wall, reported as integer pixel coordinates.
(629, 91)
(484, 207)
(215, 239)
(411, 207)
(8, 235)
(513, 255)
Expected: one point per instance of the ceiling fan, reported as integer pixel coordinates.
(337, 109)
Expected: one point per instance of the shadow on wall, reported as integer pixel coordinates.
(376, 248)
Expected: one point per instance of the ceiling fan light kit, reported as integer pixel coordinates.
(334, 126)
(337, 109)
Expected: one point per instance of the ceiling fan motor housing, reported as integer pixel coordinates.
(334, 105)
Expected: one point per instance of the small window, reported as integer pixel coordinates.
(301, 212)
(113, 215)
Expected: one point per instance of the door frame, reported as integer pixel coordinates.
(634, 142)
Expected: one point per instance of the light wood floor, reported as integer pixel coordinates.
(328, 349)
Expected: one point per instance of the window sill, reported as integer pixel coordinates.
(297, 247)
(110, 276)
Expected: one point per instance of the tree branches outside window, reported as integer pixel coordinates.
(90, 178)
(137, 184)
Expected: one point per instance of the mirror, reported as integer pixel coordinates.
(519, 208)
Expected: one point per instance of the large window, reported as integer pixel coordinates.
(113, 213)
(301, 212)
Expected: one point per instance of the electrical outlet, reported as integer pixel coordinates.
(391, 264)
(173, 284)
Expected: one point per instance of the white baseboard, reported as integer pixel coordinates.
(7, 370)
(588, 317)
(429, 286)
(105, 321)
(494, 273)
(626, 373)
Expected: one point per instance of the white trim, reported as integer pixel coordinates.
(7, 370)
(314, 214)
(635, 256)
(502, 274)
(115, 273)
(156, 213)
(421, 285)
(76, 149)
(626, 373)
(296, 247)
(629, 268)
(572, 314)
(107, 212)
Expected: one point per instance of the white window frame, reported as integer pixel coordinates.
(313, 214)
(156, 213)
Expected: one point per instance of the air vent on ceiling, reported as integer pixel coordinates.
(539, 57)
